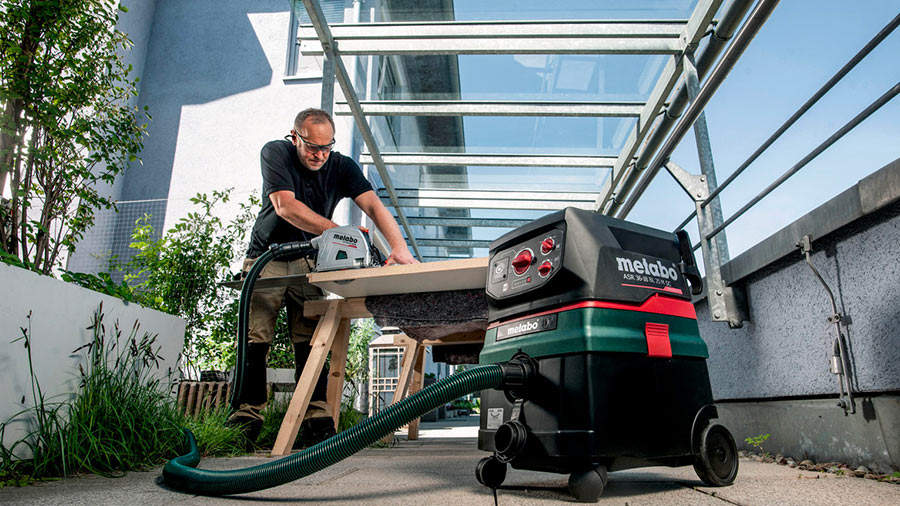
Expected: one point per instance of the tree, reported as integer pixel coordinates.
(67, 124)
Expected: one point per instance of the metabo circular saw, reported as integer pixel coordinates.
(336, 249)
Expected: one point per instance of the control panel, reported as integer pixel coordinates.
(525, 266)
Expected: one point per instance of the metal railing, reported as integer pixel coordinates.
(850, 125)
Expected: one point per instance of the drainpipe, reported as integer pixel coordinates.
(840, 364)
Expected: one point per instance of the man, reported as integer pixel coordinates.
(303, 181)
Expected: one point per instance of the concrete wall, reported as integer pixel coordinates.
(772, 375)
(60, 314)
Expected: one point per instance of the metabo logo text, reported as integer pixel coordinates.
(522, 327)
(346, 238)
(525, 327)
(642, 266)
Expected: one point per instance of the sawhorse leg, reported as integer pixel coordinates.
(418, 381)
(337, 370)
(331, 332)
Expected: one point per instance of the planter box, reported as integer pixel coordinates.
(60, 315)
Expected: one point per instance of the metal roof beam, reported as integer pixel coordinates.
(492, 194)
(692, 32)
(493, 108)
(454, 243)
(492, 160)
(664, 28)
(441, 221)
(533, 205)
(489, 199)
(503, 37)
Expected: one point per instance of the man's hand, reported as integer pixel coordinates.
(400, 256)
(372, 206)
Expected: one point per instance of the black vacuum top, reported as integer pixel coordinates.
(573, 255)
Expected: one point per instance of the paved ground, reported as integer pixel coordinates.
(439, 469)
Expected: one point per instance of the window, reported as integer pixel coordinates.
(384, 375)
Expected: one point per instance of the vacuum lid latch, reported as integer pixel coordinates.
(688, 264)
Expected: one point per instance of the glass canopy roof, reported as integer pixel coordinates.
(487, 114)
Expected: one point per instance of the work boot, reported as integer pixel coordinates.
(250, 401)
(315, 430)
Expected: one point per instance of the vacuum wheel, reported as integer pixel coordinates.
(490, 472)
(717, 464)
(586, 486)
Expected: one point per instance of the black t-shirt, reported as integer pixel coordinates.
(320, 190)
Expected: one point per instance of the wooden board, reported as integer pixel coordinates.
(462, 274)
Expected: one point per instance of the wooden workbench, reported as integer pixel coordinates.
(333, 330)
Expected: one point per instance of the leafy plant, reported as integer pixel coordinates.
(42, 442)
(276, 409)
(757, 442)
(67, 123)
(102, 282)
(273, 415)
(179, 273)
(349, 416)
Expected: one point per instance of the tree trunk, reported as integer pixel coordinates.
(13, 122)
(10, 138)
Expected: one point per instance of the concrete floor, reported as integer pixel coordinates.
(439, 469)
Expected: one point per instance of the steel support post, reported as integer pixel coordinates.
(328, 83)
(725, 303)
(719, 245)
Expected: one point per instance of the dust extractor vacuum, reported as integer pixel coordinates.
(602, 310)
(592, 362)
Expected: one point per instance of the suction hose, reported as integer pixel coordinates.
(275, 251)
(181, 474)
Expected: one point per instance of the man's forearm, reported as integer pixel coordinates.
(388, 227)
(301, 216)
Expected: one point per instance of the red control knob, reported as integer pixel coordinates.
(545, 268)
(547, 245)
(522, 261)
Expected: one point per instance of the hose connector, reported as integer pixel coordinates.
(510, 440)
(290, 249)
(518, 374)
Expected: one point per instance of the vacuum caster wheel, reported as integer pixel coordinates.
(490, 472)
(586, 486)
(717, 464)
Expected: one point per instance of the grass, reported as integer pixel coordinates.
(122, 418)
(214, 438)
(273, 415)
